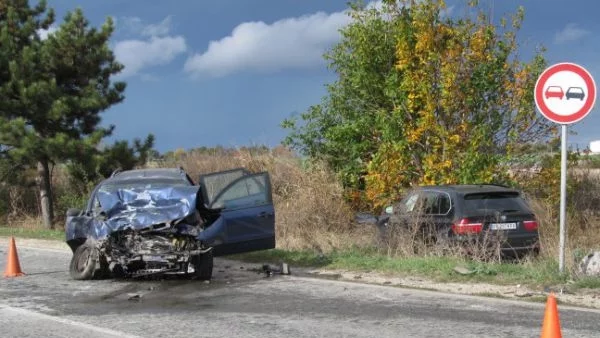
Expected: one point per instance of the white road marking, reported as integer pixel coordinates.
(81, 325)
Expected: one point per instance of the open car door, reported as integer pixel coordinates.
(246, 219)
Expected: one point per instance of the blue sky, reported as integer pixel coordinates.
(206, 73)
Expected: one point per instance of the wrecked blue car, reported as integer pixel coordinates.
(158, 221)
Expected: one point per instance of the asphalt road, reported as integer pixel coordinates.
(244, 303)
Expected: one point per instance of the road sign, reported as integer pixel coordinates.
(565, 93)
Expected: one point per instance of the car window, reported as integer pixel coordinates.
(246, 192)
(501, 201)
(214, 183)
(410, 202)
(436, 203)
(96, 205)
(141, 184)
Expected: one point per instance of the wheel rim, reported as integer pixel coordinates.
(83, 260)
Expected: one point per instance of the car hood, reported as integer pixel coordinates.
(135, 209)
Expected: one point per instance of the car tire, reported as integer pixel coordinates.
(83, 262)
(203, 266)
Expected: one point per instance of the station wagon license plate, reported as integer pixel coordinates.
(503, 226)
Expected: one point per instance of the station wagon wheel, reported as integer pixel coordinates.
(83, 262)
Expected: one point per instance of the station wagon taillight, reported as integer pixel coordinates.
(530, 225)
(465, 226)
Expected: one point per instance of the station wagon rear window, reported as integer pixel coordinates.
(501, 201)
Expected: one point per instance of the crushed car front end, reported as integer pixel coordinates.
(139, 228)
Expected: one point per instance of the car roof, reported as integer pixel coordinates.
(469, 188)
(151, 173)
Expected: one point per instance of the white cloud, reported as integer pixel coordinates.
(160, 29)
(288, 43)
(297, 42)
(43, 33)
(157, 47)
(570, 33)
(291, 43)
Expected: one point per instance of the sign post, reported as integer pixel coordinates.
(564, 93)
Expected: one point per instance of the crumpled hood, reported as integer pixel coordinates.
(136, 209)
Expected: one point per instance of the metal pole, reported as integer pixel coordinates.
(563, 198)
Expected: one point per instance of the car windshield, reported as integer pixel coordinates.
(554, 89)
(575, 90)
(500, 201)
(145, 184)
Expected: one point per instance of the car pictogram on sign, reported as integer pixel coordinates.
(554, 91)
(565, 93)
(575, 93)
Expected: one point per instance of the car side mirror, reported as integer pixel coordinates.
(365, 218)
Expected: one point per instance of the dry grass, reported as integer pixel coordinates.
(420, 239)
(582, 222)
(312, 213)
(310, 209)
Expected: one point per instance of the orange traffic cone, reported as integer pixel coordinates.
(13, 267)
(551, 325)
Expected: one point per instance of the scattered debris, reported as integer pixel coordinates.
(269, 270)
(590, 265)
(463, 270)
(134, 296)
(523, 294)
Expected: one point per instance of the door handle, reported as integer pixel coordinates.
(265, 214)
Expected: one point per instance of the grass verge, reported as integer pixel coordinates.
(57, 235)
(541, 272)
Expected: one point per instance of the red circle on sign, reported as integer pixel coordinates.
(578, 115)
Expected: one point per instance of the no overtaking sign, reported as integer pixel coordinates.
(564, 93)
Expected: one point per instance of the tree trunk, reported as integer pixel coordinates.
(43, 172)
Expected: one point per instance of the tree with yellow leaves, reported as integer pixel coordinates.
(423, 98)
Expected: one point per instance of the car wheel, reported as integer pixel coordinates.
(203, 265)
(83, 262)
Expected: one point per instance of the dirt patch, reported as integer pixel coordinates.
(589, 298)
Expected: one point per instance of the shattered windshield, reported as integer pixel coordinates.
(141, 185)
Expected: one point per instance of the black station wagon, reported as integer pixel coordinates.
(460, 213)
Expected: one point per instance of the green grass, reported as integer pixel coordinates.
(587, 283)
(533, 273)
(57, 235)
